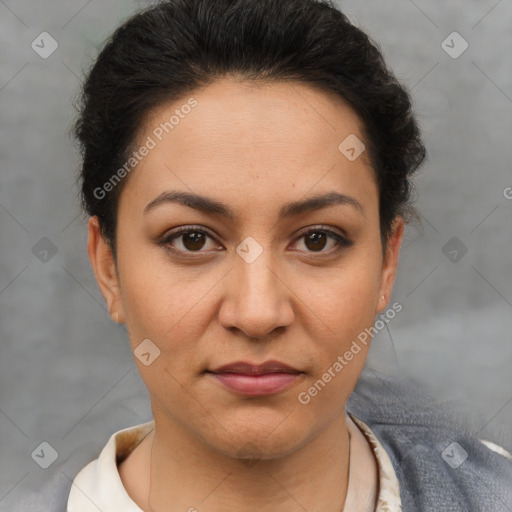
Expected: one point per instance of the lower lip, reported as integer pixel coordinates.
(256, 385)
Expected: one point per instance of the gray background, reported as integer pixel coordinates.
(66, 372)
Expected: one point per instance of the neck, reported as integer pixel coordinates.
(176, 471)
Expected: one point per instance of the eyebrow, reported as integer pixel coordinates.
(291, 209)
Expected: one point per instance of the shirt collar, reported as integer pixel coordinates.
(98, 486)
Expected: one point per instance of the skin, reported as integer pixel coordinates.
(253, 148)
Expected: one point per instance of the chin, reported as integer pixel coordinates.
(262, 440)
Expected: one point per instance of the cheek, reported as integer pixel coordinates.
(344, 308)
(348, 309)
(165, 303)
(347, 297)
(166, 309)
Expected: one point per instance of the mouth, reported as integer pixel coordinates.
(249, 379)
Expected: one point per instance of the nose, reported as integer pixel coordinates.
(258, 298)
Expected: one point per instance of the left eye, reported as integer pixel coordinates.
(315, 240)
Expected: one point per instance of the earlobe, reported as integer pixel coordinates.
(104, 267)
(390, 262)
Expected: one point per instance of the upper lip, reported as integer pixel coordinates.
(241, 367)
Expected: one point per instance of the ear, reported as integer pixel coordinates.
(390, 262)
(103, 264)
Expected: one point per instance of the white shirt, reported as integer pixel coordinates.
(98, 485)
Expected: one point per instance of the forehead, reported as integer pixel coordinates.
(252, 140)
(257, 113)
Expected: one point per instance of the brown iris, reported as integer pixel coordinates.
(317, 240)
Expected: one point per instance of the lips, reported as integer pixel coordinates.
(248, 379)
(243, 368)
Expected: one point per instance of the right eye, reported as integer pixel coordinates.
(192, 238)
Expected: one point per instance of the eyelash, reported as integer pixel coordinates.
(341, 242)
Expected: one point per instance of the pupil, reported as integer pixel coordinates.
(196, 240)
(316, 239)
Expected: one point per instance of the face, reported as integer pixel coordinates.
(247, 273)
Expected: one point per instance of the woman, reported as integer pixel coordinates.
(247, 170)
